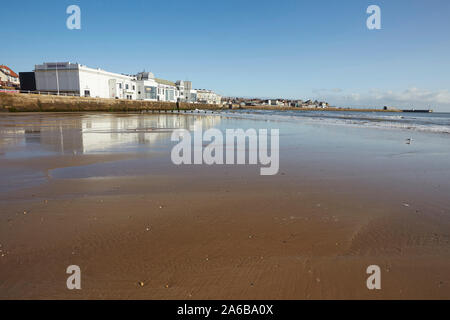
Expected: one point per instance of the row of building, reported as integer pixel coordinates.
(76, 79)
(298, 103)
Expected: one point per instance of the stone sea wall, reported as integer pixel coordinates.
(22, 102)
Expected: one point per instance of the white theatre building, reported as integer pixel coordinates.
(77, 79)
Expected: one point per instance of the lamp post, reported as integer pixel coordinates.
(57, 78)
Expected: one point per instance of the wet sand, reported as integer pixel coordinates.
(83, 190)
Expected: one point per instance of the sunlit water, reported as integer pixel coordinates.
(424, 122)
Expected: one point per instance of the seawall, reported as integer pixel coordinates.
(22, 102)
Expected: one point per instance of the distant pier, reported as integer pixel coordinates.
(419, 110)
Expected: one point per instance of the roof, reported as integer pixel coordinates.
(167, 82)
(145, 75)
(11, 73)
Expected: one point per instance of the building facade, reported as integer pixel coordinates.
(77, 79)
(167, 90)
(147, 87)
(155, 89)
(8, 77)
(186, 93)
(27, 81)
(208, 96)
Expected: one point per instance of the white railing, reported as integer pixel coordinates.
(9, 90)
(47, 93)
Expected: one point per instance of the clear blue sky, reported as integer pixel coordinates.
(293, 49)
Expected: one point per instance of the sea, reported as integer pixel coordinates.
(433, 122)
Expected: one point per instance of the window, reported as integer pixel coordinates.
(150, 93)
(170, 95)
(87, 93)
(126, 86)
(120, 86)
(134, 87)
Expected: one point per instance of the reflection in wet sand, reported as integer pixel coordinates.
(93, 133)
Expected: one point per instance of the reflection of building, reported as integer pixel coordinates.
(77, 79)
(60, 135)
(112, 131)
(89, 134)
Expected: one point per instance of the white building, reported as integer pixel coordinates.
(147, 87)
(208, 96)
(77, 79)
(193, 96)
(186, 93)
(167, 90)
(154, 89)
(7, 76)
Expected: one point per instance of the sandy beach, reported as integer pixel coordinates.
(99, 191)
